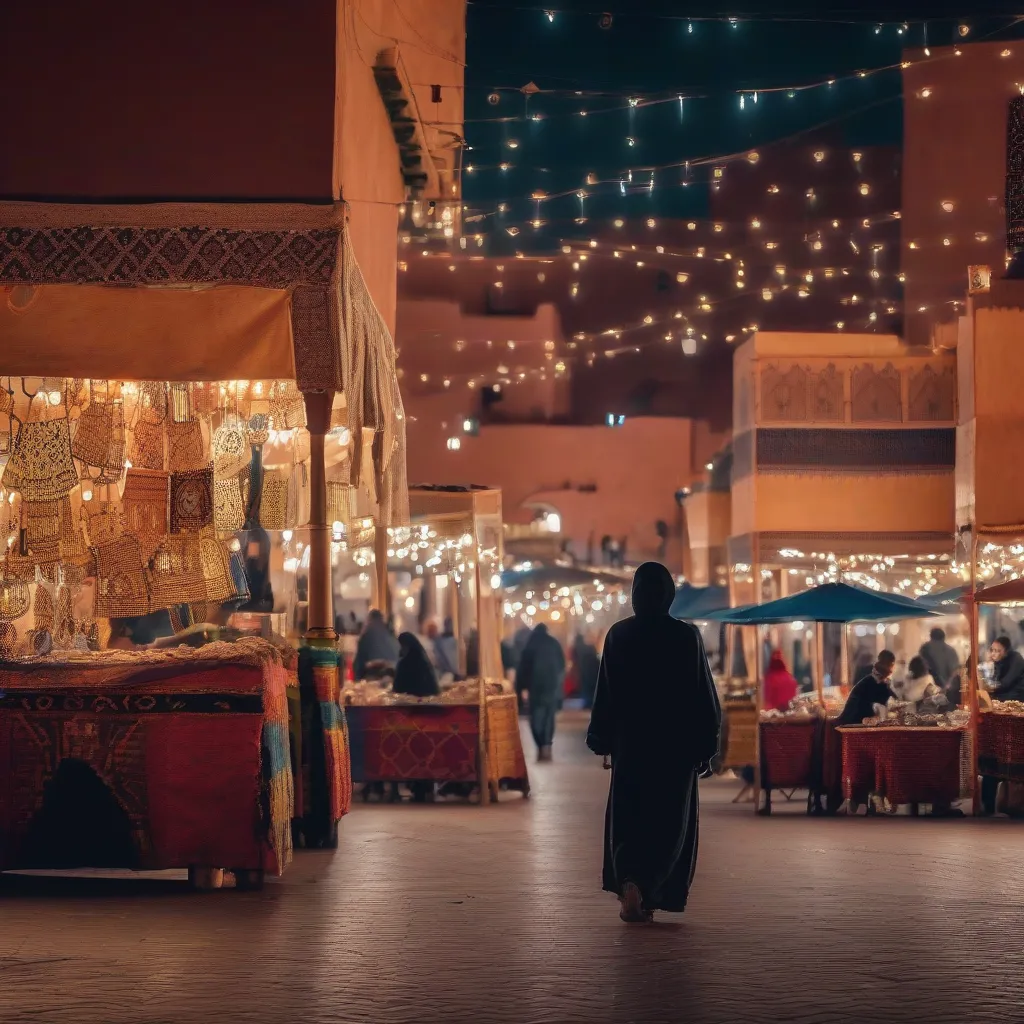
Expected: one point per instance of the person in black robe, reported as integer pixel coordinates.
(657, 716)
(414, 675)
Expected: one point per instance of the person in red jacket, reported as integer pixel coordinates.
(779, 685)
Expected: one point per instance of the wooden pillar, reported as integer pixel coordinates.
(819, 662)
(381, 589)
(844, 659)
(320, 612)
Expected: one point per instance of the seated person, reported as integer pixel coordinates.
(871, 690)
(1008, 670)
(919, 688)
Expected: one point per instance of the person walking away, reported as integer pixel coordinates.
(941, 659)
(446, 648)
(377, 646)
(587, 665)
(780, 686)
(415, 677)
(541, 674)
(657, 716)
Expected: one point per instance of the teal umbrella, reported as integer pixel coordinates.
(831, 602)
(699, 602)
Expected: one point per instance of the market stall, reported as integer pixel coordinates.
(138, 487)
(798, 748)
(904, 765)
(191, 747)
(450, 557)
(999, 724)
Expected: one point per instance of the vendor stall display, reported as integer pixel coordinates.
(998, 724)
(788, 743)
(451, 738)
(147, 759)
(903, 765)
(142, 476)
(468, 735)
(790, 746)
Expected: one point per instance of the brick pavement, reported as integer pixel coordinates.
(458, 914)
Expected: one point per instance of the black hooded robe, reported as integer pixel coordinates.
(657, 714)
(414, 675)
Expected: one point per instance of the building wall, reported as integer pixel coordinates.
(601, 480)
(215, 100)
(199, 99)
(431, 41)
(954, 152)
(861, 440)
(446, 357)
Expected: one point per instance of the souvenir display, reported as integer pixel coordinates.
(191, 499)
(128, 495)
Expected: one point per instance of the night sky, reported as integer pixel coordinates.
(652, 53)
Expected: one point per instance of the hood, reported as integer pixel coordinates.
(777, 663)
(653, 589)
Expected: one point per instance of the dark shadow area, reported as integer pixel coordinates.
(80, 824)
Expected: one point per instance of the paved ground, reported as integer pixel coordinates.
(459, 914)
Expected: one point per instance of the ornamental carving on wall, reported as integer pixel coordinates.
(783, 394)
(876, 394)
(932, 395)
(827, 398)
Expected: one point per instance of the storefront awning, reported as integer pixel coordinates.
(219, 332)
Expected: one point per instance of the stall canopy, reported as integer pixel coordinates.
(556, 576)
(699, 602)
(831, 602)
(946, 601)
(1012, 591)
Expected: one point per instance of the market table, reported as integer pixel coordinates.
(905, 764)
(433, 740)
(1001, 745)
(787, 755)
(147, 759)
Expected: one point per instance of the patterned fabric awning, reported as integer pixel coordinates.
(340, 341)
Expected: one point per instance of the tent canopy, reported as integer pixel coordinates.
(1001, 593)
(175, 333)
(946, 601)
(831, 602)
(699, 602)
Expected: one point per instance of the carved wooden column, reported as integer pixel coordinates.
(320, 613)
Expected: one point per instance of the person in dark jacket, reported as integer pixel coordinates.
(657, 716)
(377, 646)
(941, 659)
(873, 689)
(414, 675)
(1008, 671)
(446, 650)
(587, 663)
(541, 674)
